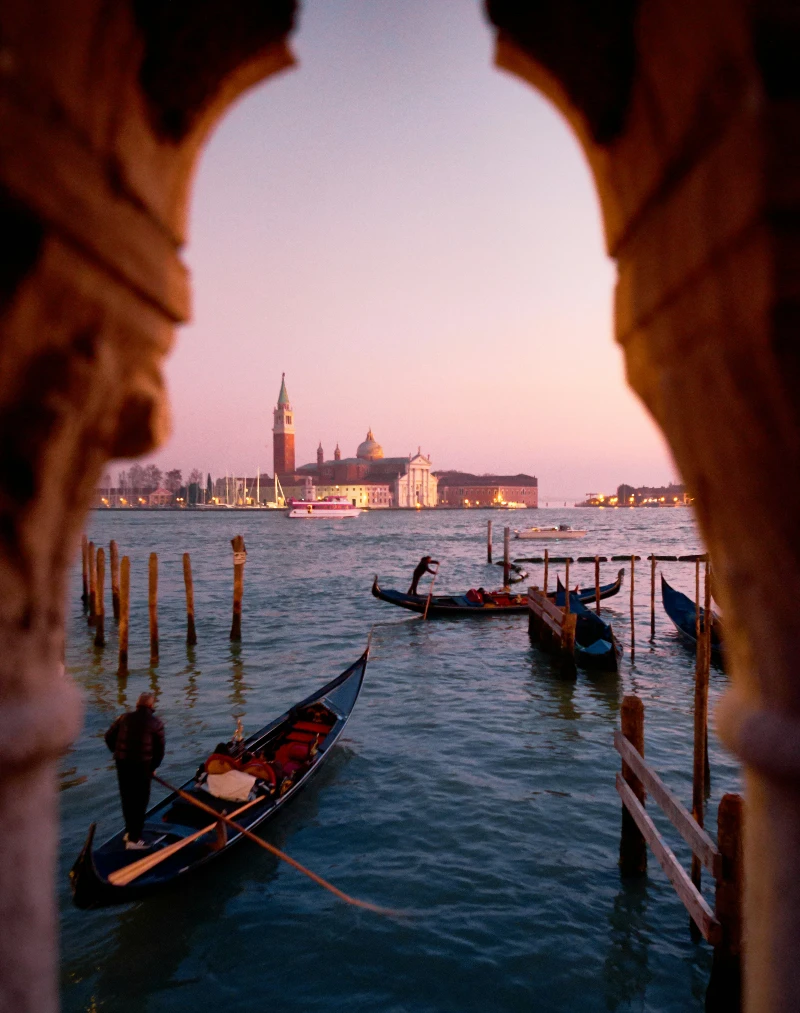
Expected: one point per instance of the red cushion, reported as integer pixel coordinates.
(312, 726)
(289, 751)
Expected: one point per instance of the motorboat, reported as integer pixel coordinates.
(554, 534)
(331, 507)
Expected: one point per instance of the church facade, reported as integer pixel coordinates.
(368, 480)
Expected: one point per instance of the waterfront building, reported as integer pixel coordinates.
(640, 496)
(366, 494)
(404, 482)
(461, 489)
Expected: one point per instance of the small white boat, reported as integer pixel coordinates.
(563, 531)
(330, 507)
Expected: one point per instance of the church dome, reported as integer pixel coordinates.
(370, 449)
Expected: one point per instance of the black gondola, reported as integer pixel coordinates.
(595, 643)
(683, 613)
(317, 722)
(587, 594)
(498, 603)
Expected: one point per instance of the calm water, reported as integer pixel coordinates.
(474, 787)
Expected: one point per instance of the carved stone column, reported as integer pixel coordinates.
(103, 111)
(689, 114)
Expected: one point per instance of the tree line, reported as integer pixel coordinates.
(150, 476)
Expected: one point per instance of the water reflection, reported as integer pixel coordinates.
(626, 971)
(237, 695)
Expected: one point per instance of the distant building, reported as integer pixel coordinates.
(640, 496)
(161, 497)
(461, 489)
(405, 482)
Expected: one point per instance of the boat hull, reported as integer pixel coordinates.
(309, 513)
(89, 877)
(443, 605)
(549, 536)
(682, 611)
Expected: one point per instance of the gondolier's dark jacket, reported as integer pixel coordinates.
(138, 736)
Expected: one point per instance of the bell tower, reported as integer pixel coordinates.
(283, 433)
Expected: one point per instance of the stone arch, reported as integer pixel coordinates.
(688, 112)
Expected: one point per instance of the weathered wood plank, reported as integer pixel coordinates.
(678, 815)
(690, 897)
(543, 604)
(550, 623)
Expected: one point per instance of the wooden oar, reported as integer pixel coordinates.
(125, 875)
(278, 853)
(430, 593)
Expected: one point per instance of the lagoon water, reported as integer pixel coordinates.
(473, 789)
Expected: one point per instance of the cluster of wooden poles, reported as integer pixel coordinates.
(93, 565)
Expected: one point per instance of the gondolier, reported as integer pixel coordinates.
(422, 567)
(137, 741)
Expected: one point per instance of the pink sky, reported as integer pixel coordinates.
(413, 237)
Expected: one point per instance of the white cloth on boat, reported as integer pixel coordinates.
(233, 785)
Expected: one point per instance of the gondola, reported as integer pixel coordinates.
(683, 612)
(284, 756)
(497, 603)
(587, 594)
(595, 643)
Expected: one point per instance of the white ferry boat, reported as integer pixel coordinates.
(563, 531)
(330, 506)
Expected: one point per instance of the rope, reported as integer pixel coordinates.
(278, 853)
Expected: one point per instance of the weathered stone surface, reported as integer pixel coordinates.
(689, 114)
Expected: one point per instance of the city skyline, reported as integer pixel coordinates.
(423, 263)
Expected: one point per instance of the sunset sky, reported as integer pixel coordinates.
(413, 237)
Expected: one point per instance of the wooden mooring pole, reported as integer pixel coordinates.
(633, 622)
(191, 633)
(652, 596)
(239, 557)
(114, 557)
(700, 740)
(92, 582)
(506, 555)
(124, 613)
(546, 566)
(597, 583)
(697, 601)
(489, 541)
(85, 569)
(632, 845)
(152, 603)
(99, 603)
(566, 589)
(724, 993)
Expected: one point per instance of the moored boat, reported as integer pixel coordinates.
(683, 612)
(473, 603)
(270, 768)
(587, 594)
(556, 534)
(595, 643)
(331, 507)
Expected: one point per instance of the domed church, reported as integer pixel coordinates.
(370, 449)
(372, 479)
(368, 479)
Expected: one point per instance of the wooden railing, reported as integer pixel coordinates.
(720, 927)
